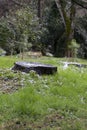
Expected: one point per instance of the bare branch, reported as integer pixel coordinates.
(60, 11)
(82, 3)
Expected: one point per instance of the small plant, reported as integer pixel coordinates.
(74, 46)
(2, 52)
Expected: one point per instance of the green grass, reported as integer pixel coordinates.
(54, 102)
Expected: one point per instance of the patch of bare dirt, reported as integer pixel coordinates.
(10, 81)
(50, 122)
(9, 85)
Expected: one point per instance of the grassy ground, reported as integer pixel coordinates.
(48, 102)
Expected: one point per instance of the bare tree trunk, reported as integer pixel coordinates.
(69, 23)
(58, 3)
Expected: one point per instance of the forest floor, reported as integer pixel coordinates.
(48, 102)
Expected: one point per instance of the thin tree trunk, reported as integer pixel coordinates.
(58, 3)
(70, 29)
(39, 9)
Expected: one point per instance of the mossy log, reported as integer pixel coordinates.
(37, 67)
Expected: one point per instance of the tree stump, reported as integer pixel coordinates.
(37, 67)
(79, 65)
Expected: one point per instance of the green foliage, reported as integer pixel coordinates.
(19, 31)
(5, 33)
(74, 48)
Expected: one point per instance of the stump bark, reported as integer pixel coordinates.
(37, 67)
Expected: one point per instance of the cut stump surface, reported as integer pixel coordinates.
(37, 67)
